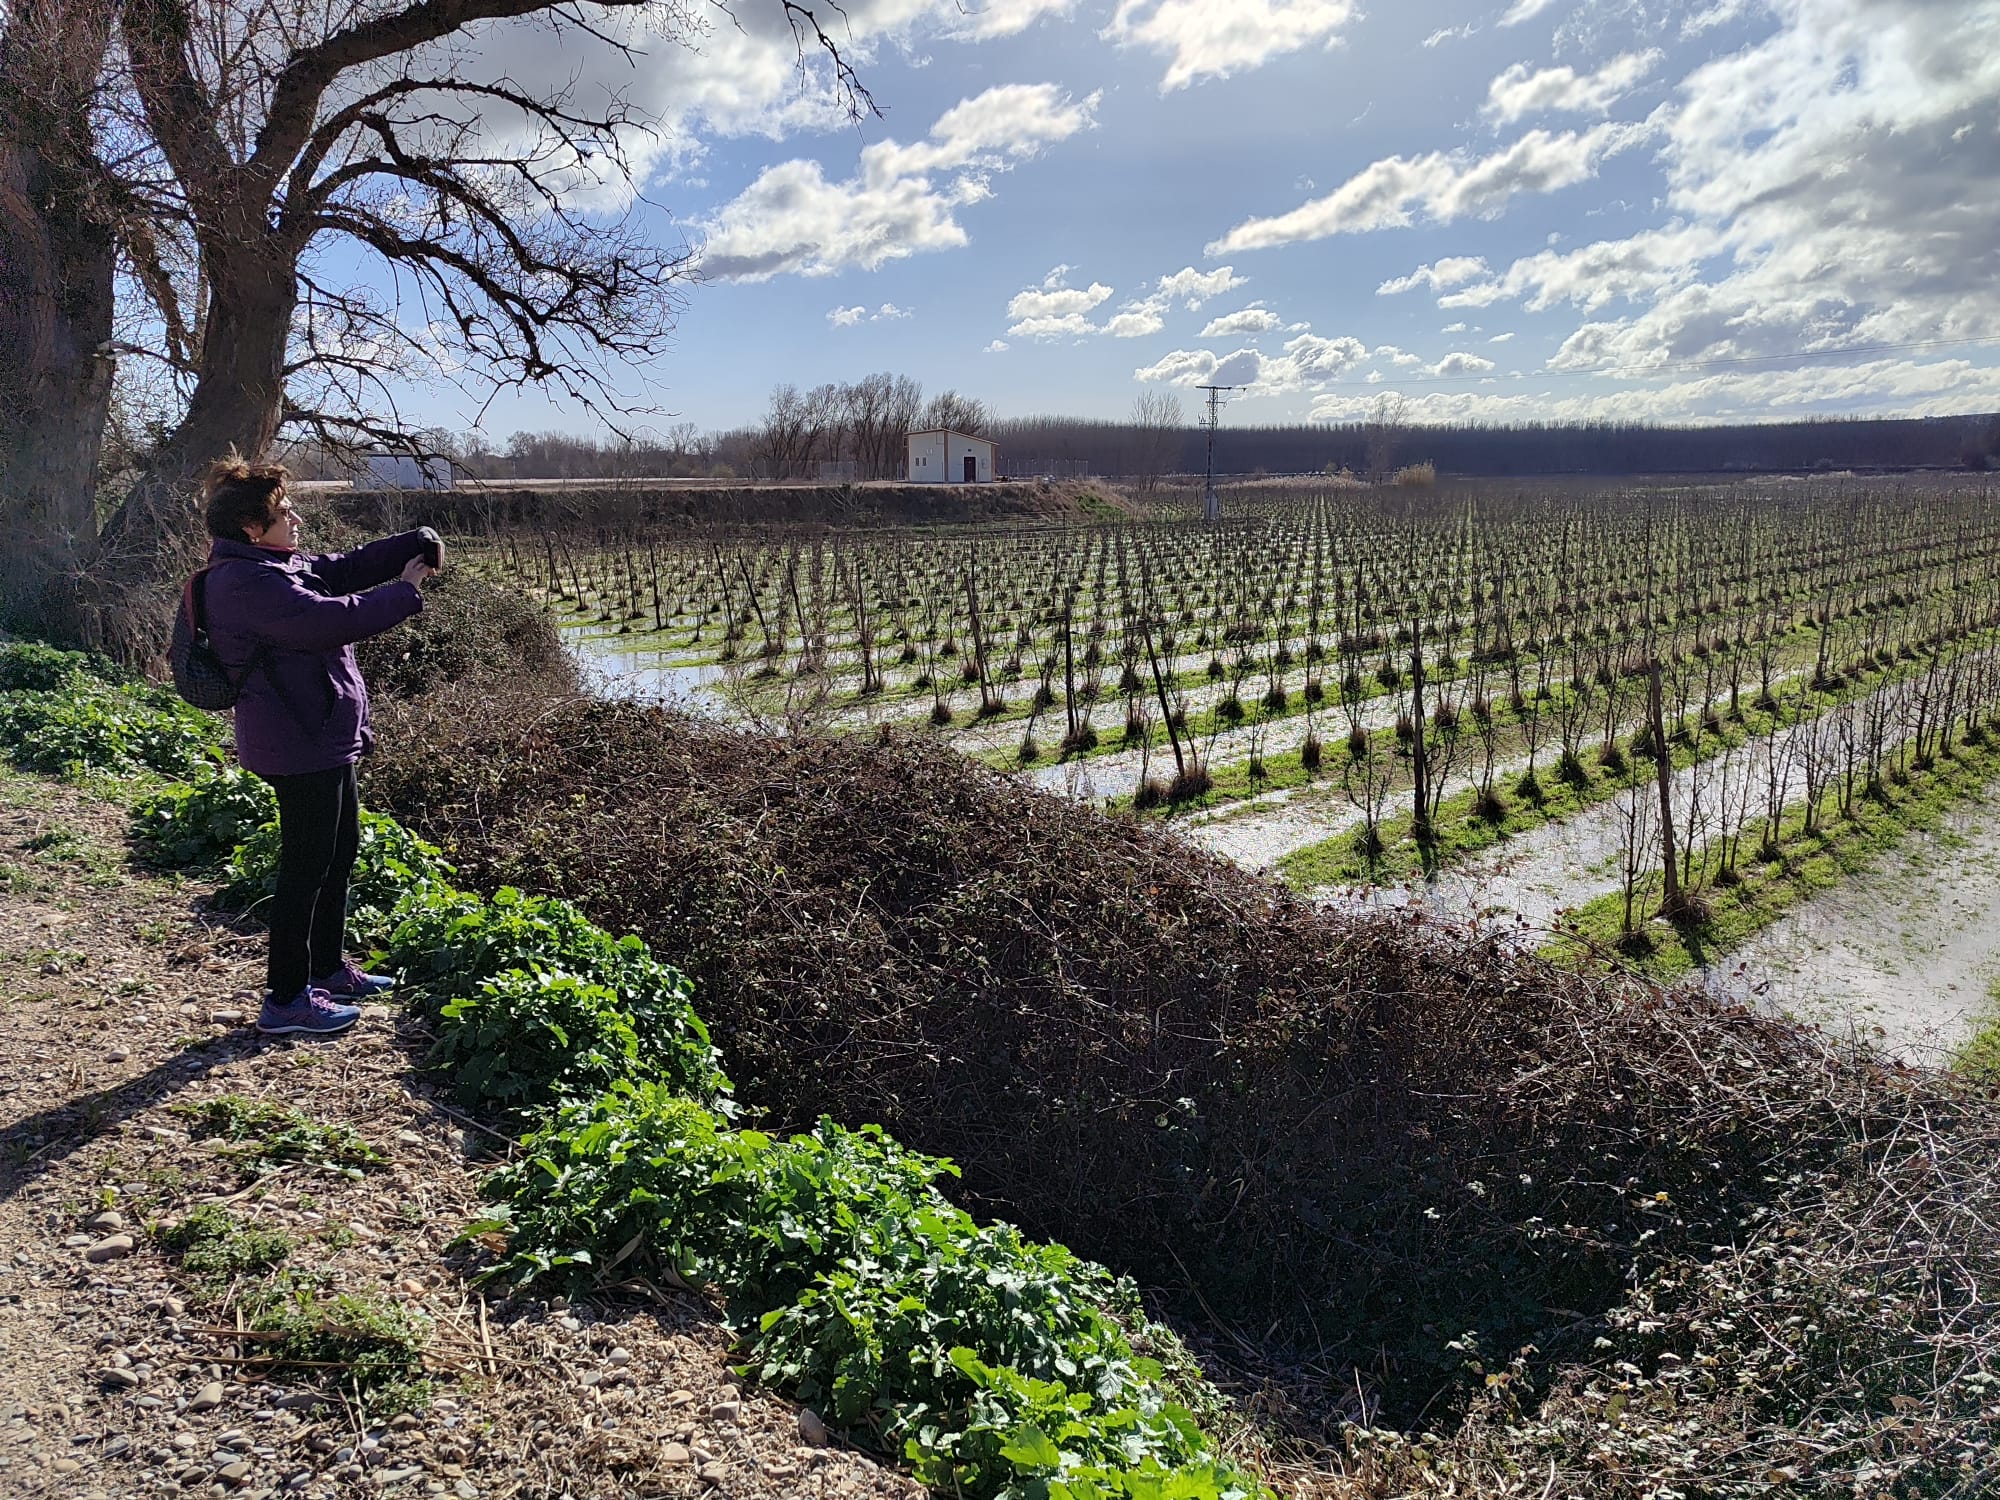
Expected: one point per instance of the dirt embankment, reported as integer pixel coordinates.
(705, 504)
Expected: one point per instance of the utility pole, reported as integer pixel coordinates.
(1211, 507)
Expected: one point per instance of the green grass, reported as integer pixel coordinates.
(1807, 863)
(1980, 1057)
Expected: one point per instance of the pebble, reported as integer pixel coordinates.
(675, 1453)
(106, 1222)
(109, 1248)
(397, 1476)
(117, 1055)
(115, 1379)
(465, 1489)
(679, 1398)
(714, 1473)
(620, 1356)
(117, 1446)
(174, 1307)
(76, 1241)
(299, 1401)
(298, 1480)
(409, 1138)
(207, 1398)
(725, 1411)
(405, 1421)
(229, 1016)
(234, 1473)
(812, 1431)
(66, 1466)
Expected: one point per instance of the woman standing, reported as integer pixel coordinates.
(285, 622)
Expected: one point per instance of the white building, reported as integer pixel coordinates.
(940, 456)
(399, 471)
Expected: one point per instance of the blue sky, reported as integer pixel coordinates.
(1523, 209)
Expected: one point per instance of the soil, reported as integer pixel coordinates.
(123, 996)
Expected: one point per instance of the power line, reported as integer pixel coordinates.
(1211, 505)
(1686, 366)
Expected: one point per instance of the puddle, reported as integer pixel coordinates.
(1908, 949)
(655, 676)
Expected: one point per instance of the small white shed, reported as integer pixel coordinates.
(941, 456)
(400, 471)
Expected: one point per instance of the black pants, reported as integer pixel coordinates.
(319, 831)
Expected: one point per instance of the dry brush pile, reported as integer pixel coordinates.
(1377, 1159)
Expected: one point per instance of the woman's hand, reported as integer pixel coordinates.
(416, 570)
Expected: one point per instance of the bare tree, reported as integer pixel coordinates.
(1383, 433)
(949, 410)
(1157, 417)
(285, 139)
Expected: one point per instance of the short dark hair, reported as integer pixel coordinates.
(237, 493)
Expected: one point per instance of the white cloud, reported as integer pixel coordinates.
(1460, 363)
(1502, 338)
(1839, 170)
(1057, 301)
(998, 346)
(1307, 361)
(1518, 92)
(1394, 355)
(1236, 324)
(1217, 38)
(848, 317)
(984, 20)
(1524, 10)
(1453, 270)
(1136, 322)
(1191, 288)
(1053, 326)
(791, 219)
(1638, 267)
(1942, 387)
(1450, 33)
(1442, 186)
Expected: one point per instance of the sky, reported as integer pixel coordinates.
(1492, 210)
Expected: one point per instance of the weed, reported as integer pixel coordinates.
(215, 1246)
(267, 1136)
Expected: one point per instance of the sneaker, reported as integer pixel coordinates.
(311, 1010)
(348, 983)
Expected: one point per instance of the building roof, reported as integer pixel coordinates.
(951, 432)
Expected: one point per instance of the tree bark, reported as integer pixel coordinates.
(58, 258)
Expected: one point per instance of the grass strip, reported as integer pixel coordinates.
(1806, 863)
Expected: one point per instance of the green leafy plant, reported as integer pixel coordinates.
(215, 1245)
(996, 1366)
(266, 1136)
(87, 727)
(446, 944)
(390, 863)
(528, 1036)
(32, 666)
(200, 822)
(367, 1346)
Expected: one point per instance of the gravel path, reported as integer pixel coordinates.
(122, 1000)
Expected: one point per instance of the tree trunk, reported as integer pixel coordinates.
(58, 257)
(1673, 900)
(156, 535)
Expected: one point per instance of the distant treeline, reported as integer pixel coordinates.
(1120, 449)
(1144, 450)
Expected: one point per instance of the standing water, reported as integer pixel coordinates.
(1905, 953)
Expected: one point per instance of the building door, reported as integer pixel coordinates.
(971, 469)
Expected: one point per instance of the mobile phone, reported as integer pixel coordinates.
(433, 553)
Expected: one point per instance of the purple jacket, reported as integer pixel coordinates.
(305, 707)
